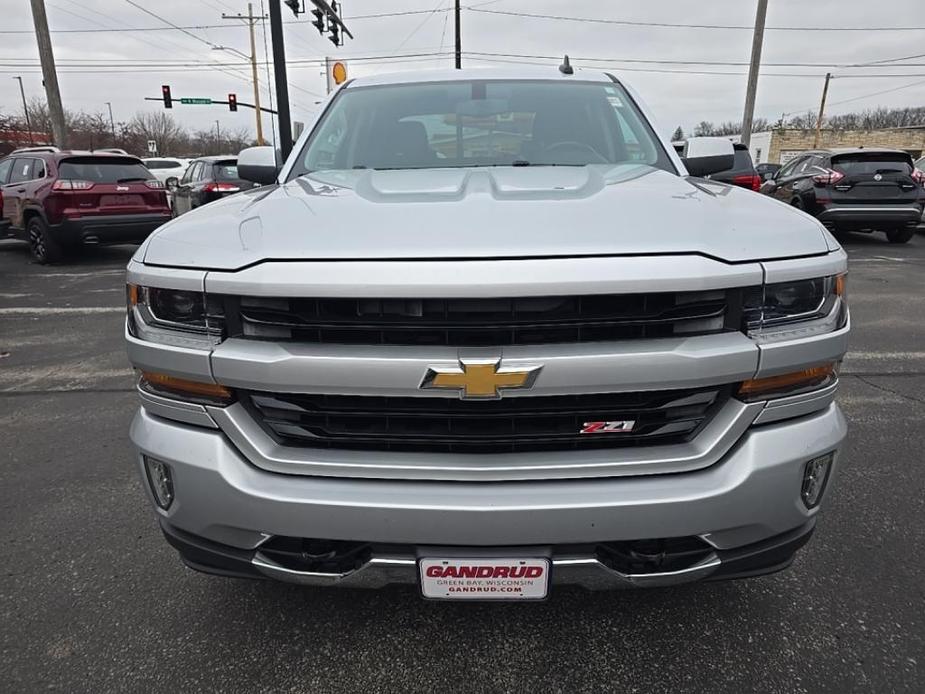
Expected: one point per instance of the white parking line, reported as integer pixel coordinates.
(893, 356)
(59, 311)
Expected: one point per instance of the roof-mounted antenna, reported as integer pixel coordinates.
(566, 67)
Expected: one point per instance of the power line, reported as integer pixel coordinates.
(885, 91)
(201, 27)
(660, 61)
(738, 73)
(626, 22)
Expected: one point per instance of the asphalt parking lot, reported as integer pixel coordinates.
(92, 599)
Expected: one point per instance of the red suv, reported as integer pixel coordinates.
(59, 201)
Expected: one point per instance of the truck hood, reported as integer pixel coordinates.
(503, 212)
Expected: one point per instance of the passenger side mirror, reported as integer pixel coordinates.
(172, 183)
(708, 155)
(258, 165)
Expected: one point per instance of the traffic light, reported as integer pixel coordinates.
(295, 6)
(334, 34)
(165, 92)
(232, 102)
(319, 20)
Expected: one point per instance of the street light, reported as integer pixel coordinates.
(253, 59)
(112, 124)
(25, 109)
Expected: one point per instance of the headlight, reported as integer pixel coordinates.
(175, 317)
(791, 310)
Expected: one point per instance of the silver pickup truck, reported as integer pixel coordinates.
(485, 332)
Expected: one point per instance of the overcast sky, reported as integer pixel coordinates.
(683, 99)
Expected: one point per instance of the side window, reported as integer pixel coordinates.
(202, 173)
(38, 169)
(188, 176)
(790, 168)
(5, 167)
(22, 170)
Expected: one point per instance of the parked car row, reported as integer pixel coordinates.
(852, 189)
(58, 200)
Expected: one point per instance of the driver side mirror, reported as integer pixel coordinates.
(708, 155)
(172, 183)
(258, 165)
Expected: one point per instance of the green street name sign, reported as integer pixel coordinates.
(205, 102)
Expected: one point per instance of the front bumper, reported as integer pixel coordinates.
(749, 497)
(108, 229)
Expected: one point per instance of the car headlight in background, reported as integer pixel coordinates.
(793, 310)
(176, 317)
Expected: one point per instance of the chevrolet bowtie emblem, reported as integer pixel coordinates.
(480, 378)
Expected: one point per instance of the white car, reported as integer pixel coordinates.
(165, 167)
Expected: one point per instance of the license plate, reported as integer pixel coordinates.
(484, 579)
(120, 200)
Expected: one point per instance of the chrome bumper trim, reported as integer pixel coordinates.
(587, 572)
(178, 410)
(725, 428)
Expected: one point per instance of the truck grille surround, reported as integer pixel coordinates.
(508, 425)
(494, 322)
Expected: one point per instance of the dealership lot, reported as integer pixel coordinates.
(93, 599)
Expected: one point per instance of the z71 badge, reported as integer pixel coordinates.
(620, 426)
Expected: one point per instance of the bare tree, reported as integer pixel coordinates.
(704, 129)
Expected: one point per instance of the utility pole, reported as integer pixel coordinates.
(49, 75)
(757, 41)
(251, 21)
(282, 86)
(218, 138)
(825, 93)
(25, 110)
(458, 39)
(112, 123)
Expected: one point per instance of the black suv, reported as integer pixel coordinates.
(743, 171)
(855, 190)
(206, 179)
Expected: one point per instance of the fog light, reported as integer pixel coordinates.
(815, 475)
(160, 480)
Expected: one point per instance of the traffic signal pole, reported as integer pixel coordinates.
(282, 85)
(458, 38)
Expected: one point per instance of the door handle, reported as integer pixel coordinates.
(21, 190)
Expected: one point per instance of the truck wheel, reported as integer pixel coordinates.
(900, 235)
(44, 248)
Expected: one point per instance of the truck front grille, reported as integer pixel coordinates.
(483, 322)
(508, 425)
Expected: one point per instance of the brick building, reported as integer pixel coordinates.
(781, 145)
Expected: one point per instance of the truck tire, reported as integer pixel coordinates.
(44, 249)
(901, 235)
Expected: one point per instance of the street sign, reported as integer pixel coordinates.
(196, 102)
(152, 146)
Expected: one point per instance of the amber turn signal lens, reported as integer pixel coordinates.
(131, 291)
(841, 285)
(787, 382)
(182, 386)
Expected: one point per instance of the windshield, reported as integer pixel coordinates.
(481, 123)
(103, 170)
